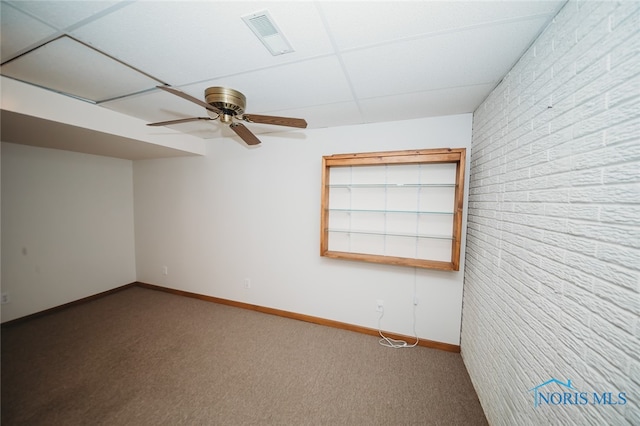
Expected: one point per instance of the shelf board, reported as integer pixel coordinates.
(387, 211)
(392, 234)
(391, 185)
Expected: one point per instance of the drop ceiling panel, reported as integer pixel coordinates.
(204, 40)
(20, 31)
(312, 82)
(356, 25)
(353, 61)
(425, 104)
(70, 67)
(329, 115)
(449, 60)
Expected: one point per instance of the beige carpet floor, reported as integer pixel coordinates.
(144, 357)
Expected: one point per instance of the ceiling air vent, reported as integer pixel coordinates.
(265, 28)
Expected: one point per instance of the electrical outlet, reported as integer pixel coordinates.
(247, 283)
(165, 270)
(379, 305)
(5, 298)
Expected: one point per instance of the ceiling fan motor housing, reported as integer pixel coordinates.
(229, 101)
(225, 104)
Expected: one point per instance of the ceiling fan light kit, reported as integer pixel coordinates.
(226, 104)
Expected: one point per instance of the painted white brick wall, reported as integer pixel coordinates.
(552, 275)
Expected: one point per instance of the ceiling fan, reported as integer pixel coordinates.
(228, 105)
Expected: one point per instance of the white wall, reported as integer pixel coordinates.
(552, 277)
(255, 213)
(73, 121)
(67, 227)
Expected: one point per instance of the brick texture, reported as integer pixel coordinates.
(552, 271)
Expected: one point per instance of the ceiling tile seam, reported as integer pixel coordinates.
(272, 111)
(34, 46)
(254, 70)
(57, 33)
(60, 36)
(94, 49)
(70, 95)
(250, 71)
(98, 15)
(142, 92)
(60, 32)
(31, 49)
(116, 59)
(448, 31)
(132, 94)
(15, 5)
(338, 55)
(439, 89)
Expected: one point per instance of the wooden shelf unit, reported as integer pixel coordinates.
(394, 207)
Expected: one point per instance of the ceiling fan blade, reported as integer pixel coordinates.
(181, 120)
(245, 134)
(279, 121)
(189, 98)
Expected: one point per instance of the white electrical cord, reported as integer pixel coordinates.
(395, 343)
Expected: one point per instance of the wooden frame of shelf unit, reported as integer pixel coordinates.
(427, 156)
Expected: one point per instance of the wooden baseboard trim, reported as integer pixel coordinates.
(301, 317)
(66, 305)
(272, 311)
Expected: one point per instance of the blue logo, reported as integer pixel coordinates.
(569, 395)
